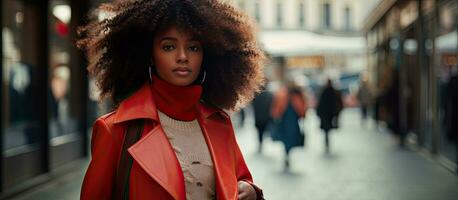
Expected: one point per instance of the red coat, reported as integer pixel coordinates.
(156, 172)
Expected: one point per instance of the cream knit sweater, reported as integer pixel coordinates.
(192, 152)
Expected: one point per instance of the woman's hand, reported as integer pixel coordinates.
(246, 191)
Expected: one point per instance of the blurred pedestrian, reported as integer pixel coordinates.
(390, 101)
(242, 114)
(328, 109)
(364, 97)
(452, 91)
(452, 105)
(288, 107)
(171, 67)
(379, 111)
(261, 106)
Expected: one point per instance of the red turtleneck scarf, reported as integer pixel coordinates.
(177, 102)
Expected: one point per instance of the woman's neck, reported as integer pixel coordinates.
(177, 102)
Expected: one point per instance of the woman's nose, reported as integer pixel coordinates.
(182, 56)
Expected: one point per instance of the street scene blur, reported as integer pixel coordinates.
(360, 100)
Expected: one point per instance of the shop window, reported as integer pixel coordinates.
(446, 43)
(20, 122)
(257, 12)
(347, 17)
(326, 16)
(301, 14)
(279, 9)
(61, 107)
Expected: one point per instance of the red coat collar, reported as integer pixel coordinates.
(141, 105)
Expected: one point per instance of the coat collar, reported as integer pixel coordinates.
(141, 105)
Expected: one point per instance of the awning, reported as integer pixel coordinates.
(294, 43)
(447, 42)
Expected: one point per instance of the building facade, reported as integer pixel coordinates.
(312, 39)
(415, 42)
(344, 16)
(45, 107)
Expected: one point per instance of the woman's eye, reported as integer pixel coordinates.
(194, 48)
(168, 47)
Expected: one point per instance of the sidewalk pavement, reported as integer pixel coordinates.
(363, 165)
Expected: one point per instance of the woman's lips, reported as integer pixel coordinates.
(182, 71)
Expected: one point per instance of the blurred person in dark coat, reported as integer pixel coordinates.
(288, 107)
(329, 106)
(453, 91)
(452, 105)
(364, 97)
(261, 106)
(390, 101)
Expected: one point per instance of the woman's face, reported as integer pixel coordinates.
(177, 55)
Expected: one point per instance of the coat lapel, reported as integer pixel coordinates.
(155, 155)
(216, 133)
(152, 152)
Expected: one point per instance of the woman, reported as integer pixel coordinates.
(288, 107)
(170, 67)
(261, 107)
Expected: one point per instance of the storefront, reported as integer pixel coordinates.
(45, 106)
(416, 41)
(446, 67)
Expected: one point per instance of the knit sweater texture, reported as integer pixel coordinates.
(192, 152)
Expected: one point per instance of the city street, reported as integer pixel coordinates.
(363, 164)
(397, 59)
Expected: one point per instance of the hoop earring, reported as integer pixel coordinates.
(203, 79)
(150, 78)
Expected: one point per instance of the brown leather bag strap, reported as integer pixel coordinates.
(132, 135)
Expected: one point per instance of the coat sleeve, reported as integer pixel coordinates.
(243, 174)
(99, 178)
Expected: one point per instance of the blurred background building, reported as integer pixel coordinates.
(413, 45)
(48, 103)
(312, 40)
